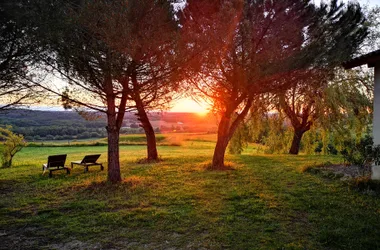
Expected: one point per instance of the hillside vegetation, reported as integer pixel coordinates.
(37, 126)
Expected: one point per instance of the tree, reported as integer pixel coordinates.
(239, 57)
(13, 143)
(303, 104)
(372, 41)
(349, 105)
(148, 44)
(328, 100)
(302, 101)
(265, 42)
(116, 56)
(337, 111)
(16, 55)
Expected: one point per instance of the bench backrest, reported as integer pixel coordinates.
(56, 161)
(90, 158)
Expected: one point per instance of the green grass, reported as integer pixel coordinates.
(266, 202)
(140, 138)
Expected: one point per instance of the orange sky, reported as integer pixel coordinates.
(182, 105)
(186, 105)
(189, 105)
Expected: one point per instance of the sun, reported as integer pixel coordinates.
(202, 113)
(190, 106)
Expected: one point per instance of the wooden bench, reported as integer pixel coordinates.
(55, 162)
(88, 160)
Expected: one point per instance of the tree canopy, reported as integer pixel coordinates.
(118, 56)
(243, 49)
(17, 52)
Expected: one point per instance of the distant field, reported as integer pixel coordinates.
(168, 139)
(265, 203)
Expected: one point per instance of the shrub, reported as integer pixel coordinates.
(319, 148)
(13, 143)
(356, 152)
(331, 150)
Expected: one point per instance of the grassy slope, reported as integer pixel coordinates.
(266, 203)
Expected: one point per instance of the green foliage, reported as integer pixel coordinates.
(240, 139)
(279, 137)
(355, 152)
(349, 102)
(345, 111)
(12, 144)
(310, 143)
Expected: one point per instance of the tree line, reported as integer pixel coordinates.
(243, 56)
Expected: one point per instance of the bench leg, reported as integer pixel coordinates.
(86, 169)
(50, 174)
(67, 170)
(101, 167)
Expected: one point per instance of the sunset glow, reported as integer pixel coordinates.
(190, 106)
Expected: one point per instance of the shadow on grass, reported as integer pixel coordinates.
(265, 203)
(315, 209)
(7, 186)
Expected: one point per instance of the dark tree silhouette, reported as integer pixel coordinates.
(333, 40)
(243, 49)
(117, 56)
(17, 52)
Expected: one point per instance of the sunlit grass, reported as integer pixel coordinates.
(263, 202)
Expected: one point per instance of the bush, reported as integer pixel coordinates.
(331, 150)
(13, 143)
(319, 148)
(356, 152)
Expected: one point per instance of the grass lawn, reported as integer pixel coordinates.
(265, 203)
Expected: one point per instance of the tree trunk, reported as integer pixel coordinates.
(113, 156)
(149, 133)
(226, 129)
(221, 143)
(297, 136)
(113, 148)
(219, 153)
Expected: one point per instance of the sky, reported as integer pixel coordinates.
(371, 3)
(191, 106)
